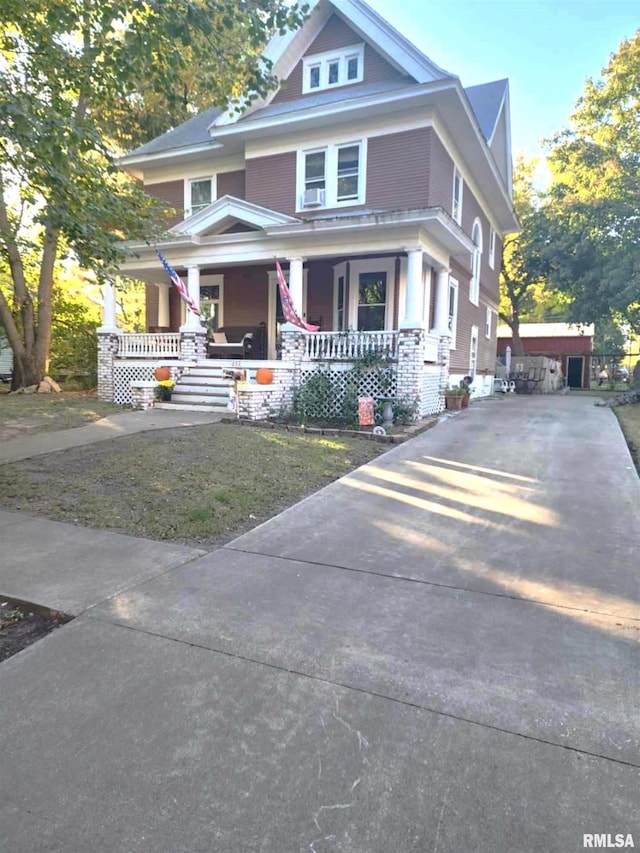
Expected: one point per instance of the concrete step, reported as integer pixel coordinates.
(188, 397)
(200, 386)
(192, 407)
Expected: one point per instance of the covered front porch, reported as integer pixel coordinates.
(372, 283)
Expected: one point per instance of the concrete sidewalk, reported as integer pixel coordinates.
(114, 426)
(435, 653)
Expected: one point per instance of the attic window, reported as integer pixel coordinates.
(333, 68)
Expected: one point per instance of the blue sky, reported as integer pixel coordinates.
(547, 49)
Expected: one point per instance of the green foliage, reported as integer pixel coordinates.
(76, 79)
(313, 398)
(74, 343)
(592, 251)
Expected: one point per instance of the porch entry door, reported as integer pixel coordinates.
(211, 302)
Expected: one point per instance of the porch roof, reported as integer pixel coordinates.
(330, 235)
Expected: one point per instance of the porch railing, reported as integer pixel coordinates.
(162, 345)
(336, 346)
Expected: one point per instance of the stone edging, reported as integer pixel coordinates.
(398, 438)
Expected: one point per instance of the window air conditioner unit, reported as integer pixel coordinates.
(313, 198)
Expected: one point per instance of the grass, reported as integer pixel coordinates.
(25, 414)
(629, 418)
(200, 485)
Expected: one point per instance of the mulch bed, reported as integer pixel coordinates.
(23, 623)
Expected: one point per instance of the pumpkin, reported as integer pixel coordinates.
(264, 376)
(162, 373)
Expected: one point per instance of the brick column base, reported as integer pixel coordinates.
(107, 351)
(411, 344)
(193, 345)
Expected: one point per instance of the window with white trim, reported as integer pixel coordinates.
(333, 68)
(199, 194)
(492, 247)
(456, 206)
(452, 318)
(473, 351)
(476, 263)
(488, 323)
(332, 176)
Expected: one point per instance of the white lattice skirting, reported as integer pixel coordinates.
(126, 372)
(431, 400)
(372, 384)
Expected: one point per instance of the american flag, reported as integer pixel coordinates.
(288, 308)
(177, 281)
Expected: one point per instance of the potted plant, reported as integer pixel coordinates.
(465, 386)
(453, 398)
(164, 389)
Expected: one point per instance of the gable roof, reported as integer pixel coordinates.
(487, 101)
(194, 131)
(549, 330)
(285, 51)
(227, 211)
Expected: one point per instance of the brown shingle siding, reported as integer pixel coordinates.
(171, 192)
(441, 175)
(398, 170)
(231, 183)
(271, 181)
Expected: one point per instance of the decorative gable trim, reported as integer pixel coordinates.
(226, 211)
(286, 51)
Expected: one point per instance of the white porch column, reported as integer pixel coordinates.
(414, 299)
(109, 323)
(163, 305)
(295, 283)
(192, 323)
(442, 304)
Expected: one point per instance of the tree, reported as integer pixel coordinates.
(592, 250)
(521, 277)
(73, 73)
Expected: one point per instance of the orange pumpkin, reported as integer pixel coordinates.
(162, 373)
(264, 376)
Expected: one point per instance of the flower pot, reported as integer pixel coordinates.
(454, 404)
(164, 394)
(465, 401)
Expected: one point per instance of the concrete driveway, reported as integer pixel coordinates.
(436, 653)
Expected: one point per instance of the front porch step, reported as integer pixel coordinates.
(192, 407)
(182, 396)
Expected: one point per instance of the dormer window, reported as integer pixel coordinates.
(333, 68)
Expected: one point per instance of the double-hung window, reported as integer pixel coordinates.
(458, 188)
(473, 351)
(476, 263)
(333, 68)
(452, 319)
(199, 194)
(332, 176)
(488, 323)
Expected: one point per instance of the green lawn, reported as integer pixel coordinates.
(200, 485)
(24, 414)
(629, 417)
